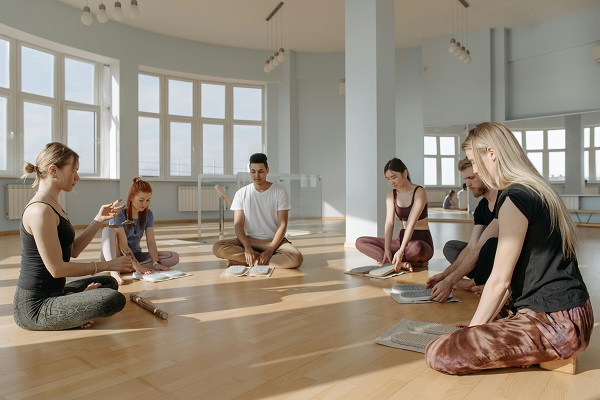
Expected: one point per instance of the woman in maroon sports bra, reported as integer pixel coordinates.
(407, 201)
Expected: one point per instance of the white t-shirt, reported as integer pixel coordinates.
(260, 209)
(462, 199)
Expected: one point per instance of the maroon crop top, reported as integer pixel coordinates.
(404, 212)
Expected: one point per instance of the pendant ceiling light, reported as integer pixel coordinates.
(103, 16)
(457, 49)
(275, 39)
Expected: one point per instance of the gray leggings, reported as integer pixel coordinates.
(38, 311)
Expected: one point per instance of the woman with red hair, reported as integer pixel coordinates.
(127, 229)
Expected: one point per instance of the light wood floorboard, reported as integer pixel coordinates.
(299, 334)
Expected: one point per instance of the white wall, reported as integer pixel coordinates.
(550, 66)
(322, 126)
(454, 92)
(549, 71)
(54, 23)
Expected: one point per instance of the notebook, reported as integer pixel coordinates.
(413, 293)
(244, 270)
(158, 276)
(375, 271)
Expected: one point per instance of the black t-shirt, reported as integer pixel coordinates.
(482, 214)
(543, 280)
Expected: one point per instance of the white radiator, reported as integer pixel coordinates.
(436, 196)
(17, 197)
(187, 197)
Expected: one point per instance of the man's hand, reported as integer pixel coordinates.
(251, 256)
(265, 257)
(432, 281)
(441, 291)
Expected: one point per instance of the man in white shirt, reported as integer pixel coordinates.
(260, 220)
(462, 196)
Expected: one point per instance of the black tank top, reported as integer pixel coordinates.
(34, 274)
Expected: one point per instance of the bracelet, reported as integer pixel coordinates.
(156, 263)
(95, 268)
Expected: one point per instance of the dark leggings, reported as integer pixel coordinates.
(38, 311)
(485, 260)
(419, 249)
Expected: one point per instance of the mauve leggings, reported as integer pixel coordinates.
(522, 339)
(419, 249)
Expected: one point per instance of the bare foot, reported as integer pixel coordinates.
(87, 325)
(117, 277)
(93, 285)
(142, 270)
(464, 284)
(160, 267)
(405, 266)
(477, 289)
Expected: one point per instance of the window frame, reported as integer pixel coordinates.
(592, 149)
(16, 99)
(544, 151)
(438, 157)
(197, 122)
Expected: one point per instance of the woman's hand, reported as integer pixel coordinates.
(108, 211)
(397, 261)
(121, 264)
(387, 257)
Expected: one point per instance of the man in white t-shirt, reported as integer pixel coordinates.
(260, 220)
(463, 198)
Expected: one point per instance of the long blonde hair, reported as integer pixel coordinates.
(513, 166)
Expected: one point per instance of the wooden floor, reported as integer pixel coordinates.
(300, 334)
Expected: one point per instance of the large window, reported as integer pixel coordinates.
(191, 126)
(591, 153)
(441, 159)
(49, 96)
(546, 151)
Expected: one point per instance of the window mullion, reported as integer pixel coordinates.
(438, 164)
(228, 130)
(165, 159)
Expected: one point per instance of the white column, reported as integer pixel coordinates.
(574, 183)
(370, 113)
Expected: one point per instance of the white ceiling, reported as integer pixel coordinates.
(318, 25)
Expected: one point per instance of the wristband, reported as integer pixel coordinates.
(155, 263)
(95, 268)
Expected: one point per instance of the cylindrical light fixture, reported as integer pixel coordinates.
(463, 54)
(467, 59)
(281, 56)
(134, 11)
(118, 12)
(86, 17)
(266, 68)
(102, 15)
(453, 46)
